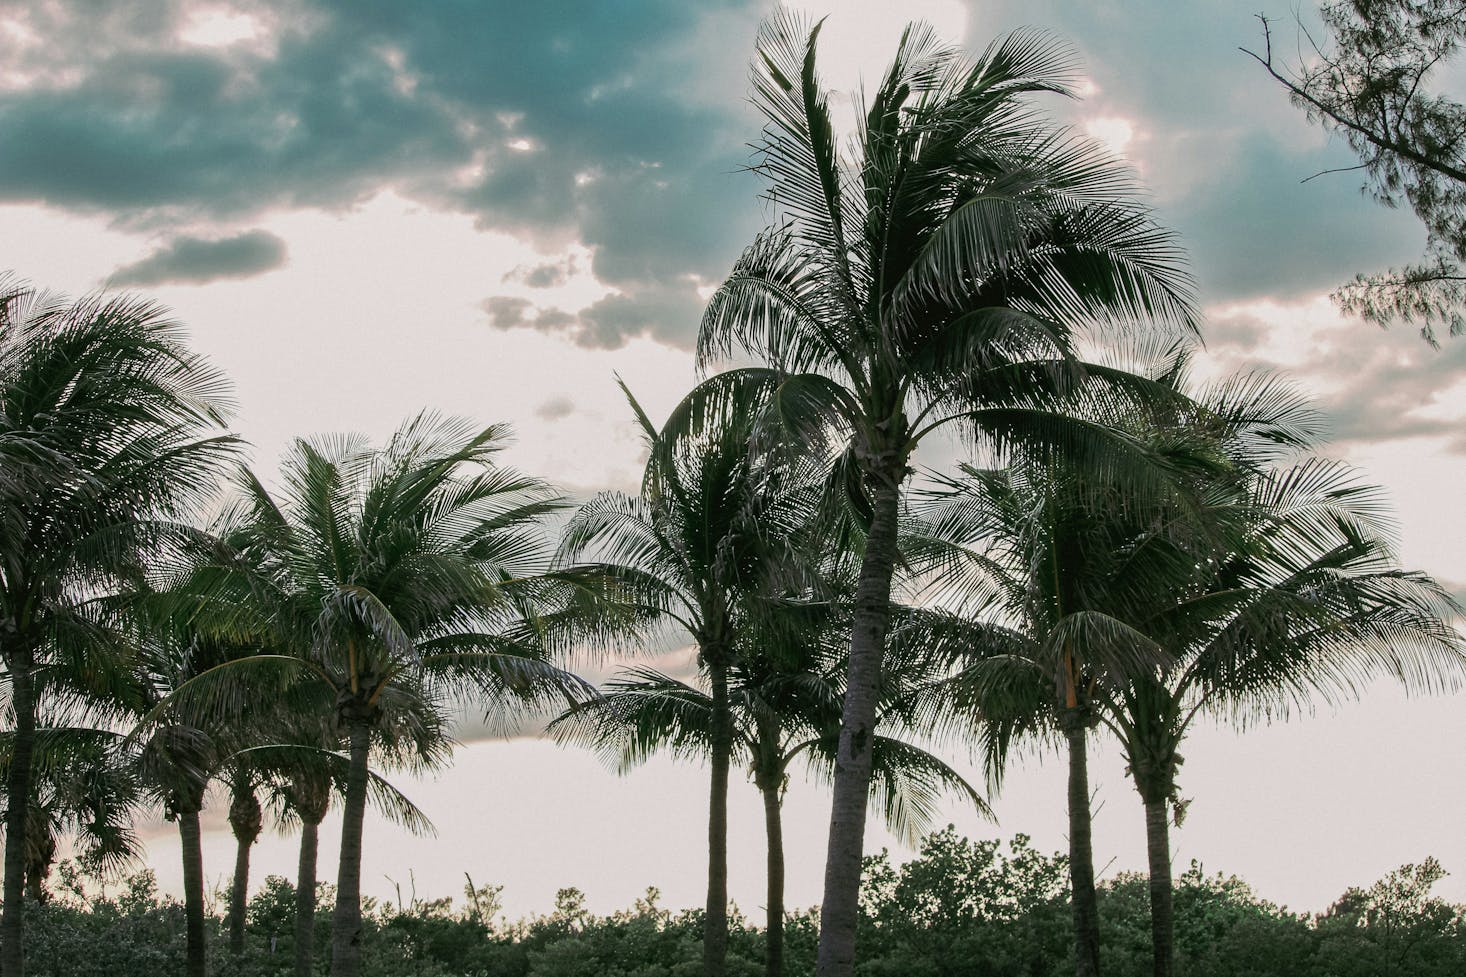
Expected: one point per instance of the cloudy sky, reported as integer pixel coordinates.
(488, 208)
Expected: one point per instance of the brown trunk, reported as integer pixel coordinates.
(305, 900)
(245, 819)
(715, 924)
(193, 892)
(346, 921)
(1162, 917)
(18, 794)
(1081, 851)
(840, 912)
(239, 896)
(774, 934)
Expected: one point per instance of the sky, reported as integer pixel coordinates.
(490, 208)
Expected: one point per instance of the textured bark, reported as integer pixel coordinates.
(1081, 851)
(1162, 917)
(193, 893)
(346, 921)
(715, 924)
(245, 819)
(839, 913)
(18, 792)
(774, 932)
(305, 900)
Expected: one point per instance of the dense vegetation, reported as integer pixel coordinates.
(960, 908)
(1122, 550)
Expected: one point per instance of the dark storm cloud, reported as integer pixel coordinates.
(194, 260)
(620, 125)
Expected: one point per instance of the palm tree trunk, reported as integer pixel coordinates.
(17, 814)
(1081, 850)
(840, 912)
(245, 819)
(305, 899)
(1162, 913)
(346, 921)
(193, 892)
(774, 931)
(715, 925)
(239, 895)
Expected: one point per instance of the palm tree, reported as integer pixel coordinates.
(398, 581)
(785, 704)
(1034, 569)
(710, 536)
(1267, 581)
(110, 434)
(943, 275)
(1297, 596)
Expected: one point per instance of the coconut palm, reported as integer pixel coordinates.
(1082, 610)
(399, 581)
(711, 536)
(941, 274)
(110, 435)
(1033, 580)
(785, 705)
(1297, 596)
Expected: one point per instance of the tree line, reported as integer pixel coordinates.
(1121, 550)
(960, 908)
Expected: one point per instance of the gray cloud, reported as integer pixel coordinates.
(196, 260)
(1373, 386)
(1219, 144)
(554, 409)
(622, 126)
(666, 311)
(551, 274)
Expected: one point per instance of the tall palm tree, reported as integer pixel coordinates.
(786, 707)
(941, 274)
(110, 433)
(400, 580)
(1034, 568)
(712, 533)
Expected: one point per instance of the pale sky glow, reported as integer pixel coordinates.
(491, 218)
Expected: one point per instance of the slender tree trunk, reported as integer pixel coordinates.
(1081, 850)
(774, 932)
(840, 912)
(1162, 913)
(17, 814)
(246, 819)
(715, 925)
(346, 921)
(193, 892)
(239, 895)
(305, 899)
